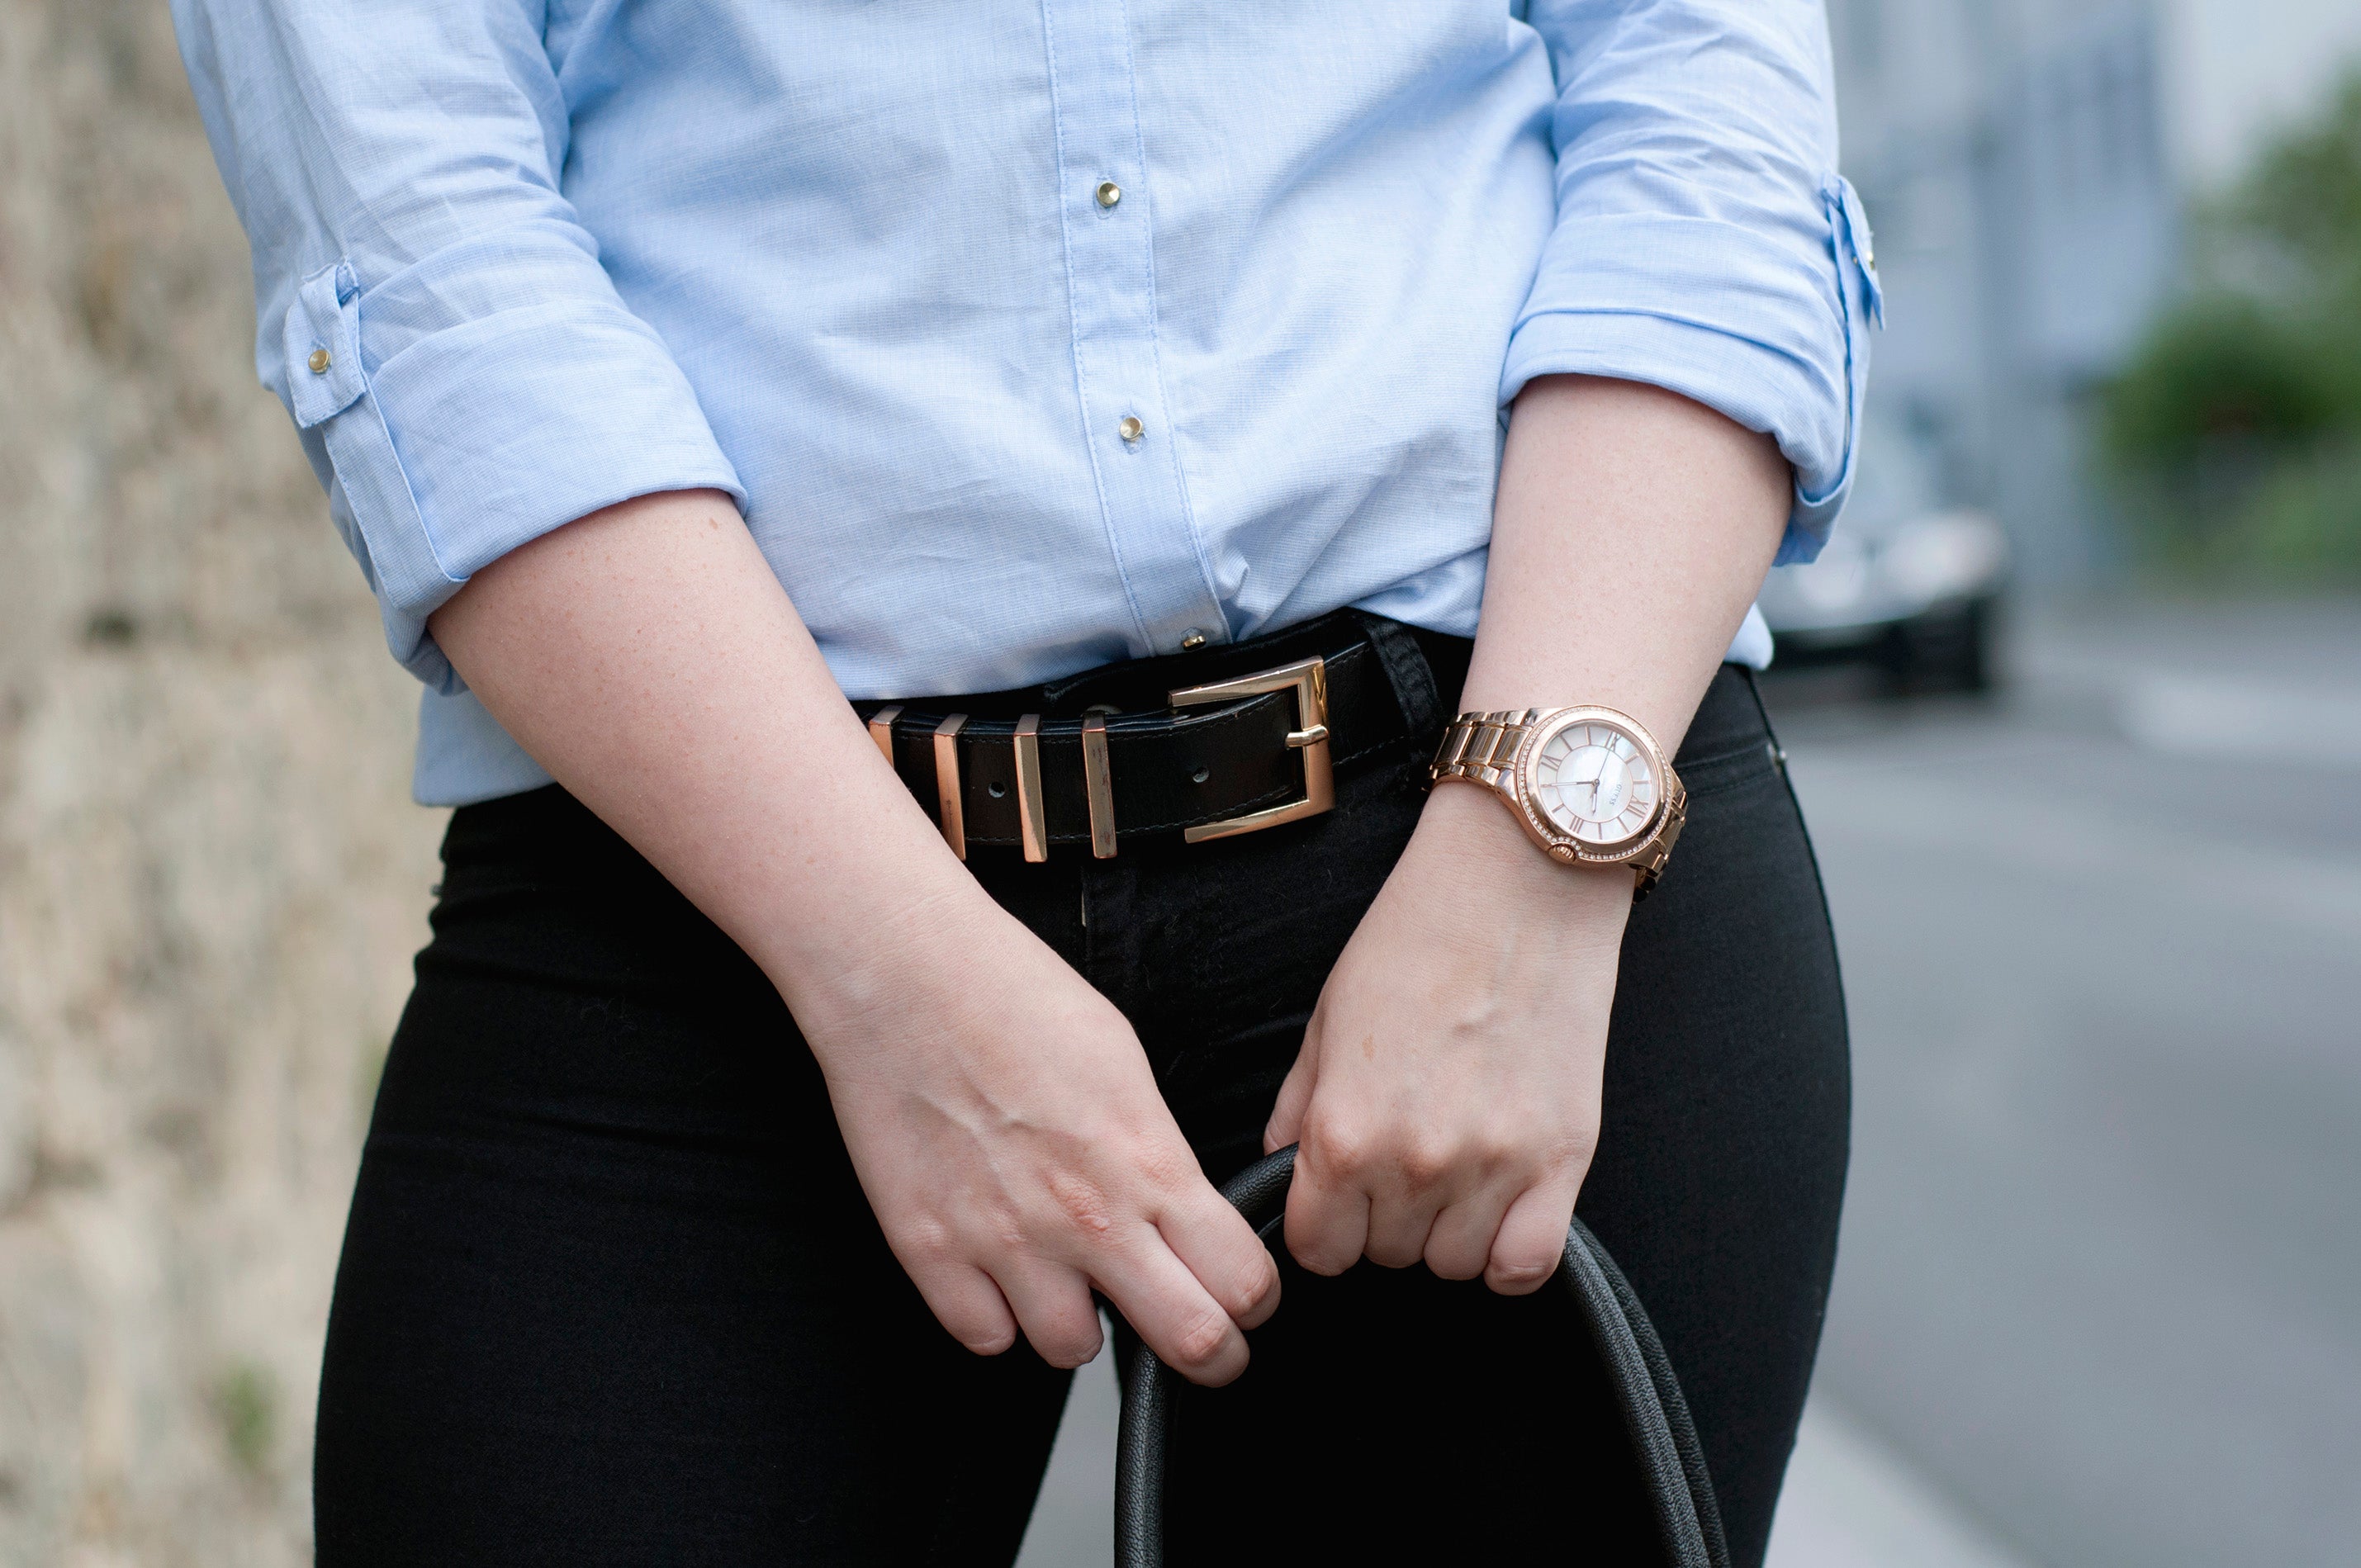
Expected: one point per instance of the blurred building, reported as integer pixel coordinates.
(210, 877)
(2026, 165)
(2015, 162)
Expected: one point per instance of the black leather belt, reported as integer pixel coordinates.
(1203, 745)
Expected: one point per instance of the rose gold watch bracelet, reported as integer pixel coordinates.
(1480, 747)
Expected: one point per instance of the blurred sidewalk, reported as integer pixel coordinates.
(1851, 1502)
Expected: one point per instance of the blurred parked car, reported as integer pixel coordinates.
(1907, 584)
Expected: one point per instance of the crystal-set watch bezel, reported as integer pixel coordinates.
(1561, 844)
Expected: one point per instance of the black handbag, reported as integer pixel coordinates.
(1655, 1417)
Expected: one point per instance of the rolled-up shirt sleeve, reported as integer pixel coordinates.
(430, 307)
(1704, 242)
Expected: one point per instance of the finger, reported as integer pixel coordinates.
(968, 1305)
(1327, 1216)
(1460, 1243)
(1053, 1303)
(1400, 1219)
(1530, 1241)
(1179, 1318)
(1213, 1241)
(1286, 1124)
(1408, 1188)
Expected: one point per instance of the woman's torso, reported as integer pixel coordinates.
(871, 237)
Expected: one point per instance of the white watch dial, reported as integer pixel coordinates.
(1594, 784)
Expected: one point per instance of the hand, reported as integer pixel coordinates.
(1447, 1099)
(1012, 1141)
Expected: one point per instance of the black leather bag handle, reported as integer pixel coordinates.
(1656, 1418)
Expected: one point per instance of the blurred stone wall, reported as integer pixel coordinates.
(211, 879)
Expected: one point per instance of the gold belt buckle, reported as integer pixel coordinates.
(1309, 679)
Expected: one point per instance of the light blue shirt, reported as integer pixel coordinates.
(897, 276)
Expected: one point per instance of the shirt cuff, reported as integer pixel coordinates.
(478, 436)
(1718, 312)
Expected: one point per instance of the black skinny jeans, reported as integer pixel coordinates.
(610, 1293)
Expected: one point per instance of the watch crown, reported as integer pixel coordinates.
(1561, 853)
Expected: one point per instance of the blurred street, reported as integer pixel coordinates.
(2102, 1273)
(2100, 1296)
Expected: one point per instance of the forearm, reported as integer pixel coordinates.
(1457, 1113)
(1632, 529)
(648, 658)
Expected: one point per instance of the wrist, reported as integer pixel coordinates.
(911, 960)
(1467, 838)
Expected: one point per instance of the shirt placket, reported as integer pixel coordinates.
(1105, 210)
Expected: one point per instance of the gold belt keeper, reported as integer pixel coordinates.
(946, 783)
(1098, 782)
(1032, 820)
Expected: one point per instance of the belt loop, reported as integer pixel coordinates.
(946, 783)
(1099, 785)
(1407, 671)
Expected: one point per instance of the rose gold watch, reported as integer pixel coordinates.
(1589, 785)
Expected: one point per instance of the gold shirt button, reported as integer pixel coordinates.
(1109, 192)
(1131, 429)
(1192, 641)
(319, 362)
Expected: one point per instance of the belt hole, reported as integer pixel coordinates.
(995, 789)
(1200, 776)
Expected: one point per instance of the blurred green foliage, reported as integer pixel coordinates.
(245, 1401)
(2234, 432)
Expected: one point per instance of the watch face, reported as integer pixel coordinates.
(1594, 783)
